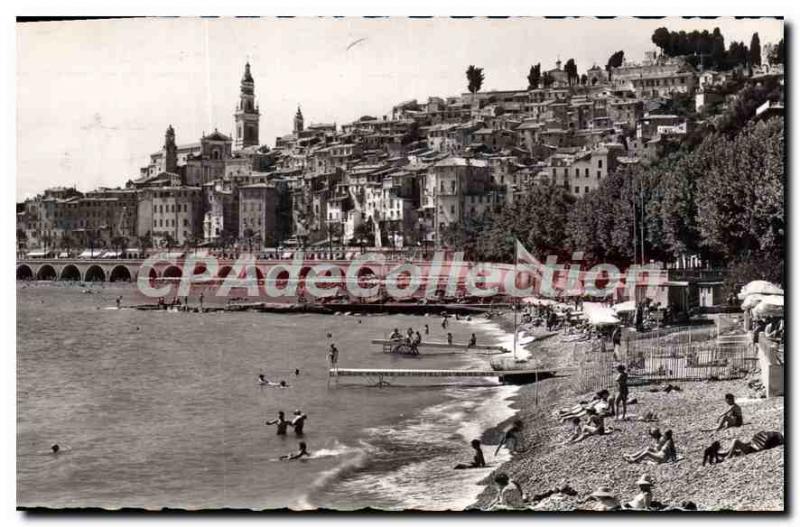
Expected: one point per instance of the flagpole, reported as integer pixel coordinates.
(514, 304)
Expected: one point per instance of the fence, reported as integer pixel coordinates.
(653, 361)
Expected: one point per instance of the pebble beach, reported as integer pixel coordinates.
(749, 483)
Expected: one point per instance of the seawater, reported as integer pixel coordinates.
(161, 409)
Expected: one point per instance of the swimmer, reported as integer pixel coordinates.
(449, 339)
(283, 384)
(296, 371)
(330, 335)
(299, 422)
(119, 301)
(55, 448)
(262, 379)
(427, 330)
(281, 422)
(297, 455)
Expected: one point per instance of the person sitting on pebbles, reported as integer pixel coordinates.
(576, 430)
(478, 461)
(594, 426)
(509, 494)
(657, 442)
(732, 416)
(604, 500)
(665, 453)
(643, 500)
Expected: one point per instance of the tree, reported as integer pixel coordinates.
(169, 241)
(538, 220)
(67, 242)
(584, 79)
(755, 50)
(534, 76)
(363, 235)
(776, 56)
(547, 80)
(661, 39)
(571, 69)
(615, 61)
(740, 207)
(475, 79)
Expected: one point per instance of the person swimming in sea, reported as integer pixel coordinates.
(55, 448)
(298, 422)
(297, 371)
(303, 452)
(263, 380)
(449, 339)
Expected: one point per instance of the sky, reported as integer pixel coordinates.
(94, 98)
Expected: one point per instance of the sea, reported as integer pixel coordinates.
(157, 409)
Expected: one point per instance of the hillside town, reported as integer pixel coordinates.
(400, 181)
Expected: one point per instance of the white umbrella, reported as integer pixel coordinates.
(625, 307)
(770, 306)
(759, 287)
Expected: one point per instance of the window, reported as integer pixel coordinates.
(577, 190)
(599, 163)
(586, 189)
(586, 172)
(599, 174)
(577, 172)
(452, 209)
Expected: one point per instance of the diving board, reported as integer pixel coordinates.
(443, 345)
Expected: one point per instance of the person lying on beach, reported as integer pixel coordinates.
(599, 403)
(281, 423)
(664, 454)
(761, 441)
(297, 455)
(594, 426)
(512, 439)
(732, 416)
(478, 461)
(509, 494)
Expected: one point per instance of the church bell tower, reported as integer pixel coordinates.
(246, 114)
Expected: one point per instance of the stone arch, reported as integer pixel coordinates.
(70, 272)
(173, 271)
(120, 273)
(24, 272)
(46, 272)
(95, 273)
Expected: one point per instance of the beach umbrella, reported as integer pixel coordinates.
(602, 317)
(769, 307)
(759, 287)
(625, 307)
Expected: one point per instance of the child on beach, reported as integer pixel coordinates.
(478, 461)
(644, 499)
(509, 494)
(732, 416)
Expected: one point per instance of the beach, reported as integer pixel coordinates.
(750, 483)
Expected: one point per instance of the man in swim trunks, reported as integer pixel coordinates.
(622, 393)
(281, 422)
(732, 416)
(473, 341)
(449, 339)
(333, 355)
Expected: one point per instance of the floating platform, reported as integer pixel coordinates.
(445, 346)
(509, 377)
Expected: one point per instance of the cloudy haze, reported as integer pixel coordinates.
(94, 97)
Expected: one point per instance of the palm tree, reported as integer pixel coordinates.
(475, 79)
